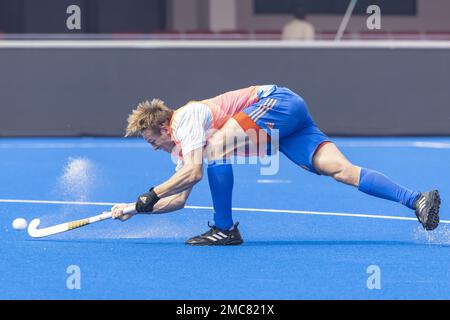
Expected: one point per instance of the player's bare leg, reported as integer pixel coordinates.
(329, 161)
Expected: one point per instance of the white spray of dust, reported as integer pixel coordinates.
(440, 236)
(157, 229)
(76, 182)
(165, 227)
(77, 179)
(117, 230)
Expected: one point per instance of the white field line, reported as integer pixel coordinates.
(80, 203)
(56, 145)
(337, 214)
(270, 181)
(140, 145)
(395, 144)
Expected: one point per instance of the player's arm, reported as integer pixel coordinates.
(168, 204)
(172, 203)
(170, 195)
(186, 177)
(183, 180)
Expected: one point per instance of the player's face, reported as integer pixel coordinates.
(161, 141)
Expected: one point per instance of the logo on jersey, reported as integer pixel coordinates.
(270, 125)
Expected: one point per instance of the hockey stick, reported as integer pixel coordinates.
(34, 232)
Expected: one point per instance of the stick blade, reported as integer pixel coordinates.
(34, 232)
(32, 228)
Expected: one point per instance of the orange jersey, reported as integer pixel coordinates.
(191, 125)
(226, 105)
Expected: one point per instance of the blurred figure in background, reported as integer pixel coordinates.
(298, 28)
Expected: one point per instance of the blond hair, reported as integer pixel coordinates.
(148, 115)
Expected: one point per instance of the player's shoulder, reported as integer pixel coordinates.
(190, 112)
(194, 105)
(191, 108)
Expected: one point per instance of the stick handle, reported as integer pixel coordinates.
(100, 217)
(130, 209)
(108, 214)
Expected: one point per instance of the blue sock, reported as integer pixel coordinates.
(220, 177)
(377, 184)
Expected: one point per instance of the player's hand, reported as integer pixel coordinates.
(117, 212)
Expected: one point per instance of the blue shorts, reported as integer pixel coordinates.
(284, 110)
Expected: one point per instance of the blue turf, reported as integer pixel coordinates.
(285, 256)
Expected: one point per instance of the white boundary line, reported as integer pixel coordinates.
(394, 144)
(270, 181)
(83, 145)
(81, 203)
(337, 214)
(202, 44)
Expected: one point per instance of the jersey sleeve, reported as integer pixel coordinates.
(192, 124)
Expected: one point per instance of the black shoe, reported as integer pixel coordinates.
(217, 237)
(427, 209)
